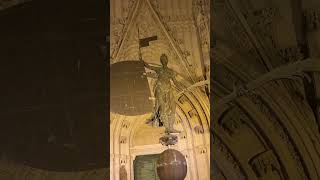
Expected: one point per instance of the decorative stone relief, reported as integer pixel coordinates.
(201, 150)
(280, 130)
(119, 27)
(266, 166)
(291, 54)
(193, 113)
(199, 129)
(125, 124)
(175, 30)
(123, 140)
(222, 150)
(201, 10)
(312, 17)
(262, 23)
(233, 121)
(237, 35)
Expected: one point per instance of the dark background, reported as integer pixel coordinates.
(54, 84)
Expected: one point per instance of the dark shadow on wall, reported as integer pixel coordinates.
(54, 84)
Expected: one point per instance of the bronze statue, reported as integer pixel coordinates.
(165, 104)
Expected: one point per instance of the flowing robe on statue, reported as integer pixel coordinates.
(165, 105)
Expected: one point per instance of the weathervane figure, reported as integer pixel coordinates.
(165, 104)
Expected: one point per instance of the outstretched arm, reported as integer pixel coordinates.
(148, 66)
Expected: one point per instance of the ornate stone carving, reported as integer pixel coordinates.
(198, 129)
(183, 99)
(280, 130)
(202, 150)
(202, 13)
(125, 124)
(237, 36)
(312, 17)
(233, 121)
(262, 23)
(266, 166)
(168, 140)
(119, 27)
(173, 31)
(222, 150)
(123, 140)
(291, 54)
(193, 113)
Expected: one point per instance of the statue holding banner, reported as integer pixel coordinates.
(165, 104)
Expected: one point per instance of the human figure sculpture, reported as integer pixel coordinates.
(165, 105)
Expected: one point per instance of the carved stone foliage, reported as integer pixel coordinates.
(266, 166)
(312, 17)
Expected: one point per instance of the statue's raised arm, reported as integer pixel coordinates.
(148, 65)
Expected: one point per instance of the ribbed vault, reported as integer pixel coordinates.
(265, 125)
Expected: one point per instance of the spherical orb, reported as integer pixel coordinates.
(172, 165)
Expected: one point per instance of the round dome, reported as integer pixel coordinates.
(171, 165)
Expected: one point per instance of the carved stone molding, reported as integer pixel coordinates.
(119, 27)
(199, 129)
(238, 38)
(312, 17)
(222, 150)
(173, 32)
(288, 71)
(282, 132)
(266, 165)
(123, 140)
(265, 16)
(291, 54)
(233, 121)
(262, 23)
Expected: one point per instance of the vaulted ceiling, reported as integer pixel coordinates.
(264, 123)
